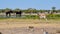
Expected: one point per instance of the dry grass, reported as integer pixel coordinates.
(11, 23)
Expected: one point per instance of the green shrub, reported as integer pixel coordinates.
(53, 16)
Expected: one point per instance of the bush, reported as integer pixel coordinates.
(53, 16)
(50, 16)
(31, 16)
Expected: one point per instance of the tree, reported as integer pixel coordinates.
(17, 10)
(1, 10)
(6, 9)
(53, 10)
(41, 11)
(58, 11)
(31, 10)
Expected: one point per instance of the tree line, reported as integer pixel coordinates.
(30, 10)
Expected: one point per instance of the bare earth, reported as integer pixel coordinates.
(18, 26)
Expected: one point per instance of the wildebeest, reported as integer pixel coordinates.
(19, 13)
(8, 13)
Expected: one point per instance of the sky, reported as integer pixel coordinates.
(25, 4)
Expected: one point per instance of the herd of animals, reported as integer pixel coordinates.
(19, 13)
(9, 13)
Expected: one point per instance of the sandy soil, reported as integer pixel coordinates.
(20, 26)
(11, 23)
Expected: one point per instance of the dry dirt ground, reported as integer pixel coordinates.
(20, 26)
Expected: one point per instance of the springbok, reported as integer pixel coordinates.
(42, 15)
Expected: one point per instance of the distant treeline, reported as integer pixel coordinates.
(31, 10)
